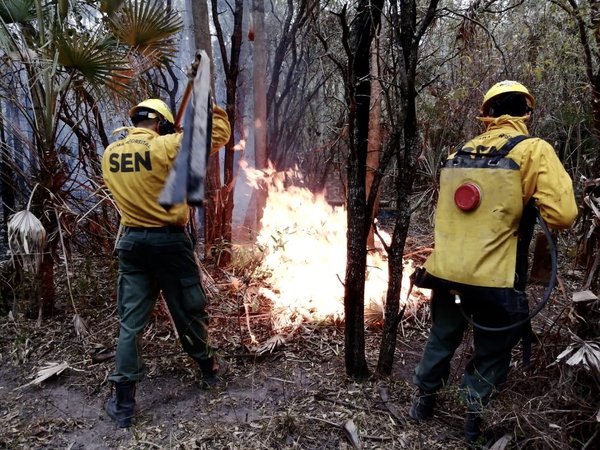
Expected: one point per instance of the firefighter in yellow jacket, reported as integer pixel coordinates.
(484, 221)
(155, 252)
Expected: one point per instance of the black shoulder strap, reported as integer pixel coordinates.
(501, 153)
(510, 144)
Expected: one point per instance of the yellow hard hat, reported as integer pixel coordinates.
(155, 105)
(502, 88)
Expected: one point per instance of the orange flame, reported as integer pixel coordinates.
(304, 242)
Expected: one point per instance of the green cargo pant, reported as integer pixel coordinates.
(150, 261)
(488, 368)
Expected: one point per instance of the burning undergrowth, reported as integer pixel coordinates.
(302, 241)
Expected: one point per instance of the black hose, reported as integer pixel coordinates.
(549, 289)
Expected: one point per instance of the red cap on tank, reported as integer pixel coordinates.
(467, 196)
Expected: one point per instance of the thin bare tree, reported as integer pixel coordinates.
(409, 29)
(358, 38)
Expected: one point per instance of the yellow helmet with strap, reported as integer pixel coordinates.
(154, 104)
(504, 87)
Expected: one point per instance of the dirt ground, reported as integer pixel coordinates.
(291, 392)
(295, 397)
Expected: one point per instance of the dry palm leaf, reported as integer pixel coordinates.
(27, 239)
(48, 371)
(352, 434)
(502, 443)
(584, 296)
(585, 353)
(81, 328)
(270, 344)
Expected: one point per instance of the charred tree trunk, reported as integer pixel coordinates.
(260, 101)
(7, 182)
(212, 219)
(374, 142)
(231, 67)
(202, 30)
(408, 37)
(358, 91)
(596, 120)
(51, 179)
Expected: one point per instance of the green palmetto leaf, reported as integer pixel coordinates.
(17, 11)
(91, 56)
(148, 27)
(7, 43)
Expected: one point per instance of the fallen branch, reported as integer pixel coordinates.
(339, 402)
(337, 425)
(591, 440)
(384, 394)
(102, 357)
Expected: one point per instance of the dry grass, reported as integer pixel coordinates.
(285, 390)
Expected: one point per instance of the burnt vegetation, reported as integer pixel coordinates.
(407, 75)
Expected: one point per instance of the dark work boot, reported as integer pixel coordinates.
(422, 406)
(473, 427)
(121, 405)
(212, 370)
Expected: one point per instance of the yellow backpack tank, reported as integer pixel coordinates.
(477, 218)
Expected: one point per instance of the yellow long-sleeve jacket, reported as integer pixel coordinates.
(479, 247)
(135, 169)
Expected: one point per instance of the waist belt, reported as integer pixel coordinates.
(170, 229)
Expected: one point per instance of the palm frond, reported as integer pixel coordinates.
(27, 239)
(81, 327)
(17, 11)
(91, 56)
(48, 371)
(7, 41)
(13, 11)
(149, 28)
(270, 344)
(584, 353)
